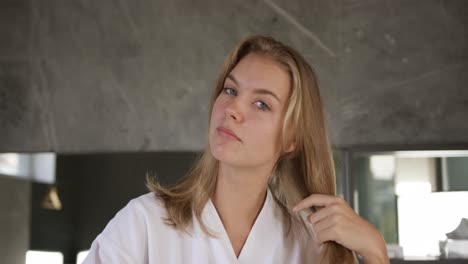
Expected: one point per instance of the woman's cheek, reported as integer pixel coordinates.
(218, 107)
(266, 127)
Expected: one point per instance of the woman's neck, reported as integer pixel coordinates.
(239, 198)
(240, 193)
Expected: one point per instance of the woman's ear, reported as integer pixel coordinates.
(291, 147)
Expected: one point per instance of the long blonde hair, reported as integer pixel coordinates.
(306, 170)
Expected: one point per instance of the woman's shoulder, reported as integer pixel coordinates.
(138, 215)
(148, 205)
(126, 236)
(144, 209)
(149, 199)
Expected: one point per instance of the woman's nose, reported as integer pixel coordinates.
(234, 111)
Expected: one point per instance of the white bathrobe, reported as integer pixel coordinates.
(137, 234)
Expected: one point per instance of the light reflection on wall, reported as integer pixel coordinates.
(39, 167)
(41, 257)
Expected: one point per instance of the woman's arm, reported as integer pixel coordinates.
(337, 221)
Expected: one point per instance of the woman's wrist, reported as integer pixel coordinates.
(377, 254)
(376, 259)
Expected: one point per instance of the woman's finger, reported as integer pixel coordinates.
(334, 209)
(322, 225)
(334, 221)
(316, 200)
(319, 215)
(328, 234)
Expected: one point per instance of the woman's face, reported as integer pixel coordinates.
(247, 116)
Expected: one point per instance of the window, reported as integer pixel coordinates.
(414, 198)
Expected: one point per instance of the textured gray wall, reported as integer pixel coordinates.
(92, 76)
(15, 199)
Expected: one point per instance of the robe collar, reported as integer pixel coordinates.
(266, 231)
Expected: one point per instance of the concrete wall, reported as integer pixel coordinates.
(93, 76)
(15, 215)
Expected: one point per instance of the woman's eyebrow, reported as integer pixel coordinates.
(256, 91)
(267, 92)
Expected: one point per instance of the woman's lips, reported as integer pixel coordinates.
(227, 133)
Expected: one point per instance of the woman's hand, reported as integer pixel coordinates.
(336, 221)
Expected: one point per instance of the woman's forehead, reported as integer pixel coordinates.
(260, 72)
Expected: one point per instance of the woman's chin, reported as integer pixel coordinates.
(224, 154)
(220, 153)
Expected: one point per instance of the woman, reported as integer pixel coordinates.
(264, 189)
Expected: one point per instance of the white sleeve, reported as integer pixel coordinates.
(124, 240)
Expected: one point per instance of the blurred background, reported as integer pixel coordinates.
(96, 94)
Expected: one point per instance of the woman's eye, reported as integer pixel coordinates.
(230, 91)
(262, 105)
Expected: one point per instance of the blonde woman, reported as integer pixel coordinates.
(263, 191)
